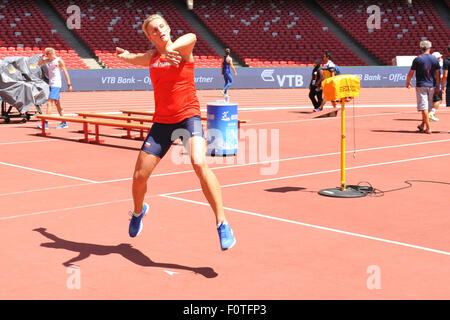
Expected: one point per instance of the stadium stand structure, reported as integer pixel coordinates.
(272, 33)
(116, 23)
(26, 32)
(402, 26)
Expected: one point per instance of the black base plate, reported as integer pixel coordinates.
(348, 192)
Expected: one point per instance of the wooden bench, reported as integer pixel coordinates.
(151, 113)
(128, 119)
(96, 122)
(98, 119)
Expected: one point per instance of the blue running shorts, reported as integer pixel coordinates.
(54, 93)
(161, 135)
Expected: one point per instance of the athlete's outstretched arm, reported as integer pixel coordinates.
(141, 59)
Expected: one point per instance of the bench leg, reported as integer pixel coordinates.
(84, 129)
(128, 135)
(86, 134)
(43, 133)
(141, 135)
(97, 135)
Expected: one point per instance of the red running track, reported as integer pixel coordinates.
(66, 203)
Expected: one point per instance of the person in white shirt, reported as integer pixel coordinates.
(329, 70)
(55, 66)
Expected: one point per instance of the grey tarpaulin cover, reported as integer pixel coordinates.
(23, 83)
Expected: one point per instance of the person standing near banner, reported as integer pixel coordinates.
(177, 113)
(426, 67)
(329, 70)
(437, 97)
(227, 64)
(315, 86)
(445, 87)
(55, 66)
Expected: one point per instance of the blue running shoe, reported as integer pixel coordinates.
(62, 125)
(136, 222)
(227, 240)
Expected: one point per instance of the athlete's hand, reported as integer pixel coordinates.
(121, 52)
(173, 57)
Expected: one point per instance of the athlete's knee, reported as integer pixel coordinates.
(140, 176)
(200, 167)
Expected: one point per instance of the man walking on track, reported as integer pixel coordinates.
(315, 86)
(55, 66)
(426, 66)
(177, 113)
(329, 70)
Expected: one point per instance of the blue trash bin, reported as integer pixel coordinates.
(222, 128)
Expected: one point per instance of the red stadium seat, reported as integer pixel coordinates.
(284, 26)
(385, 42)
(31, 32)
(126, 29)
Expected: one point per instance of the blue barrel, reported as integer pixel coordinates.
(222, 128)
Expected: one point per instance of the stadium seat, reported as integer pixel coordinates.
(272, 31)
(121, 22)
(26, 32)
(403, 26)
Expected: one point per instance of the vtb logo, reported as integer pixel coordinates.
(267, 75)
(288, 80)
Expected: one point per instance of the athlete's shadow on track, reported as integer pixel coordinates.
(124, 249)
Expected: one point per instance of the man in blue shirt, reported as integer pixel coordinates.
(426, 68)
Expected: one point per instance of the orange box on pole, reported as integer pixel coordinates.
(339, 88)
(342, 86)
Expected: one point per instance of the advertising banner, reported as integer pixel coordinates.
(247, 78)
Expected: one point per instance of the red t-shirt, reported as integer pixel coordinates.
(174, 90)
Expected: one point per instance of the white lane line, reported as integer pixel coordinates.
(313, 173)
(325, 118)
(287, 159)
(44, 189)
(239, 211)
(63, 209)
(353, 234)
(308, 107)
(74, 138)
(227, 167)
(47, 172)
(30, 141)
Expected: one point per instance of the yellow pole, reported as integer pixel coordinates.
(343, 145)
